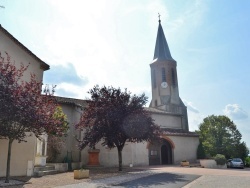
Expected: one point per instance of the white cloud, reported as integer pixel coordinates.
(235, 112)
(107, 42)
(194, 116)
(194, 120)
(91, 37)
(71, 90)
(190, 106)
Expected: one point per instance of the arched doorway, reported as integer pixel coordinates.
(161, 153)
(166, 153)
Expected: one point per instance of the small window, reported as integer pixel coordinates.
(163, 74)
(173, 77)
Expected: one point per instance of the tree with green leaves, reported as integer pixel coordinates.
(115, 117)
(219, 135)
(57, 142)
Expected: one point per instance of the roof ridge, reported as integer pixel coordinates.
(43, 64)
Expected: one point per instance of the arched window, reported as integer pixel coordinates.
(163, 74)
(173, 77)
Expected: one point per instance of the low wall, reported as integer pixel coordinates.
(60, 167)
(211, 163)
(63, 167)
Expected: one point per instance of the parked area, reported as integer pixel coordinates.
(110, 176)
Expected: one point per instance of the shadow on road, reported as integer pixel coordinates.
(161, 180)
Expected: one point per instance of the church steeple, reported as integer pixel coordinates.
(162, 51)
(164, 83)
(165, 92)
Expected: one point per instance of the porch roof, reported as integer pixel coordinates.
(179, 132)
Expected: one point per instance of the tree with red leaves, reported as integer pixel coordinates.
(116, 117)
(24, 110)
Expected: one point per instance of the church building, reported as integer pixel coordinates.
(166, 108)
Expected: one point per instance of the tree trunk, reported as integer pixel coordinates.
(8, 161)
(120, 158)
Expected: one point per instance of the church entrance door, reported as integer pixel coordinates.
(166, 153)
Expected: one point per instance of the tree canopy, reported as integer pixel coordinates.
(114, 117)
(57, 142)
(219, 135)
(24, 110)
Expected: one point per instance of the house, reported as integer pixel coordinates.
(23, 154)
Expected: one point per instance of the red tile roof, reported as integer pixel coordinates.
(71, 101)
(178, 132)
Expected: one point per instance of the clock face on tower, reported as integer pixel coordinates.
(164, 84)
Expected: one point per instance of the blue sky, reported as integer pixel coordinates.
(112, 42)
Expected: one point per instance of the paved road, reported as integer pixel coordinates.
(160, 180)
(167, 176)
(212, 181)
(140, 179)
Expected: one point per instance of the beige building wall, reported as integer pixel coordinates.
(185, 148)
(137, 153)
(132, 153)
(20, 155)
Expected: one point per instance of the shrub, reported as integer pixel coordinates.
(220, 159)
(247, 161)
(200, 151)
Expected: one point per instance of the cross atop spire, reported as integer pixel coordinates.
(159, 16)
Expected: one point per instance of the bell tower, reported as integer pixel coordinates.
(164, 80)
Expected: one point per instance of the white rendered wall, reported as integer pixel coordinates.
(185, 148)
(18, 55)
(133, 153)
(167, 121)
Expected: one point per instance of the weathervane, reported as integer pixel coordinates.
(159, 16)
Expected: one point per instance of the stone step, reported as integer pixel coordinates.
(46, 172)
(44, 168)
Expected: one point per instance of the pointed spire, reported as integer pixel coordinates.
(161, 47)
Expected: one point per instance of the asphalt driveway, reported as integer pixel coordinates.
(160, 180)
